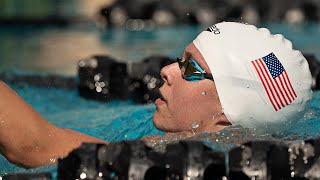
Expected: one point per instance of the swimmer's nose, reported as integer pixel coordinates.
(169, 72)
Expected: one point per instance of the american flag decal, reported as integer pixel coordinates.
(275, 81)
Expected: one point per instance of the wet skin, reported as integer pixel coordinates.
(29, 140)
(183, 103)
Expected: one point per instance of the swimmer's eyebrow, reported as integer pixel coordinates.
(187, 54)
(195, 55)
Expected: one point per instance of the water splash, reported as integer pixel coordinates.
(195, 125)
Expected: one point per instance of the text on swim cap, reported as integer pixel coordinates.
(214, 29)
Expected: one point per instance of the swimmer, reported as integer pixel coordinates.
(231, 74)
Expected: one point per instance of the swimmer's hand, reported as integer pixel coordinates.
(27, 139)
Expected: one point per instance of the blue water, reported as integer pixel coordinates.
(56, 50)
(114, 121)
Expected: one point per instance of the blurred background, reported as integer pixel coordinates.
(51, 36)
(80, 39)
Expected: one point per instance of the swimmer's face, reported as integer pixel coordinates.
(184, 102)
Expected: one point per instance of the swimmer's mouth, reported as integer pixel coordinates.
(162, 98)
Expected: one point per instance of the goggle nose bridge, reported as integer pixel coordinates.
(192, 71)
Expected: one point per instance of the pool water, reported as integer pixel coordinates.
(61, 48)
(112, 121)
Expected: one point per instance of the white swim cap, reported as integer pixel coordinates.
(261, 81)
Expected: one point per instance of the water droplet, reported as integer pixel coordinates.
(151, 85)
(292, 174)
(105, 91)
(299, 64)
(204, 93)
(193, 132)
(146, 96)
(82, 63)
(224, 178)
(98, 89)
(100, 174)
(91, 86)
(167, 166)
(93, 63)
(146, 78)
(188, 14)
(97, 77)
(248, 86)
(125, 136)
(222, 133)
(251, 117)
(153, 80)
(195, 125)
(83, 175)
(102, 84)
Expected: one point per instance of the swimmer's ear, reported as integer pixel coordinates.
(224, 121)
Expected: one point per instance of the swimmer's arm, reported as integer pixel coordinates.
(27, 139)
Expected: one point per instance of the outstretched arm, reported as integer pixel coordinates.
(27, 139)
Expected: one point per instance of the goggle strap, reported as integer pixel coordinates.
(208, 76)
(179, 62)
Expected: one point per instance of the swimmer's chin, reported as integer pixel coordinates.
(156, 123)
(159, 123)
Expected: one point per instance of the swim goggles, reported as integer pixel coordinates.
(192, 71)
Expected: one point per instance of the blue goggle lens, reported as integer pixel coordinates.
(192, 71)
